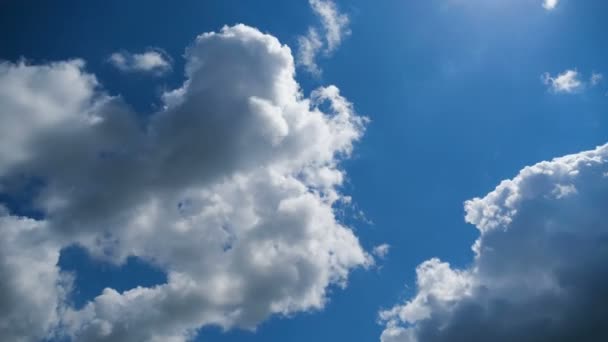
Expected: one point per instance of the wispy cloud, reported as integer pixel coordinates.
(325, 39)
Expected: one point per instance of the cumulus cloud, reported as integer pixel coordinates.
(32, 289)
(334, 27)
(550, 4)
(539, 272)
(26, 113)
(567, 82)
(152, 61)
(229, 189)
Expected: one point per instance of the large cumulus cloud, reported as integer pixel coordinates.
(540, 268)
(230, 189)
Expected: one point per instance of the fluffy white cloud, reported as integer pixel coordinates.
(550, 4)
(154, 61)
(36, 99)
(539, 273)
(334, 28)
(567, 82)
(32, 289)
(229, 189)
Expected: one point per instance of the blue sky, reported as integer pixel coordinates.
(454, 91)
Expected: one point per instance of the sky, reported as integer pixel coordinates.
(310, 170)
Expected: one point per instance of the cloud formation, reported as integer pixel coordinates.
(567, 82)
(152, 61)
(539, 273)
(571, 81)
(550, 4)
(334, 27)
(381, 251)
(229, 189)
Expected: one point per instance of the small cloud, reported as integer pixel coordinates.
(154, 61)
(334, 27)
(550, 4)
(381, 251)
(566, 82)
(596, 78)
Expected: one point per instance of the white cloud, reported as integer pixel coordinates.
(539, 271)
(152, 61)
(229, 189)
(567, 82)
(32, 289)
(381, 251)
(308, 49)
(334, 28)
(335, 24)
(26, 112)
(550, 4)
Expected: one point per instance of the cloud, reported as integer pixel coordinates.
(381, 251)
(32, 288)
(65, 94)
(229, 189)
(152, 61)
(570, 81)
(539, 271)
(550, 4)
(308, 48)
(567, 82)
(334, 27)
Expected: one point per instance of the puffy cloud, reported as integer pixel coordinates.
(567, 82)
(229, 189)
(32, 289)
(550, 4)
(334, 28)
(154, 61)
(37, 99)
(539, 270)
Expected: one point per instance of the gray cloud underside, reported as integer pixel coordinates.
(540, 267)
(229, 189)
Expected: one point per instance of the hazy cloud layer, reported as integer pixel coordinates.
(539, 273)
(229, 189)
